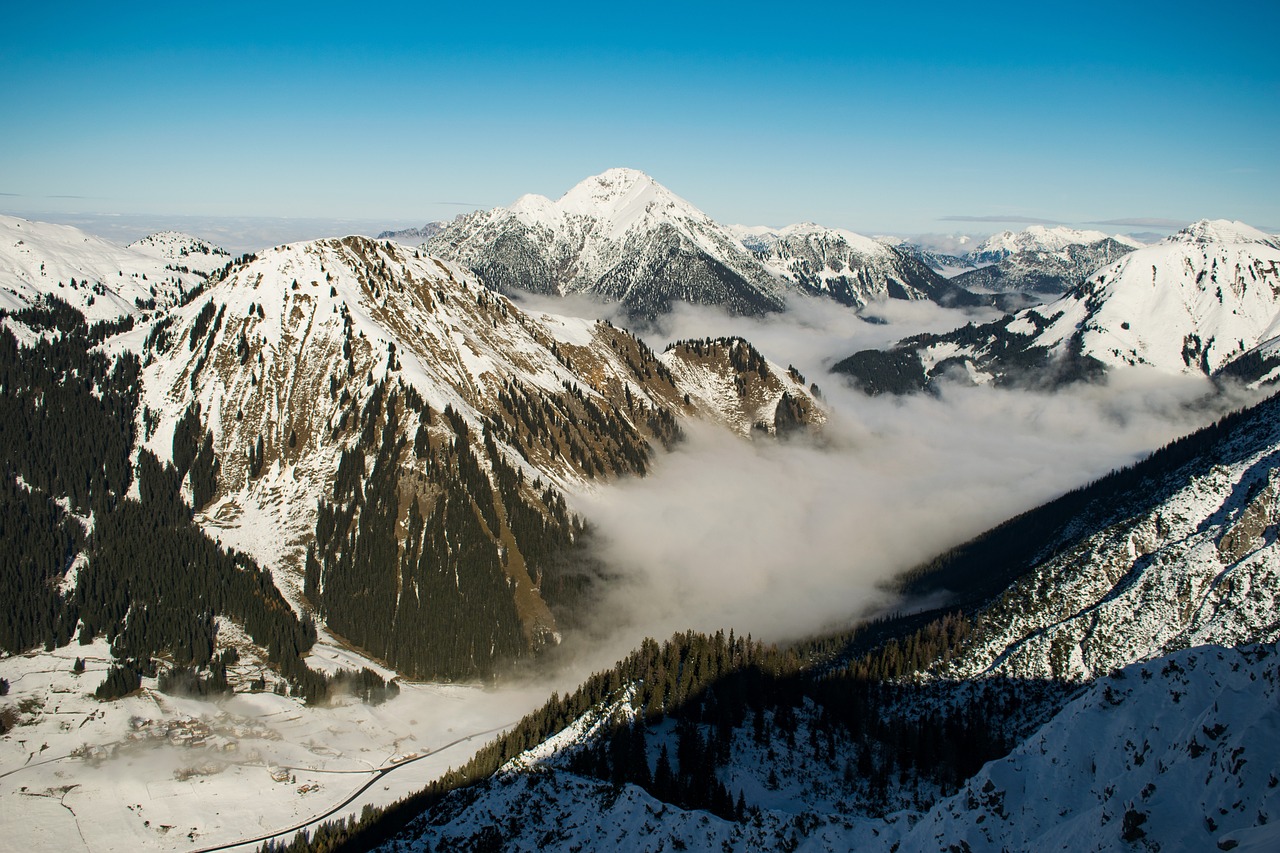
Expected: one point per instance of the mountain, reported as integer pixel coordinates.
(1044, 271)
(946, 264)
(1039, 238)
(1194, 303)
(97, 278)
(183, 250)
(623, 237)
(619, 235)
(421, 235)
(852, 269)
(385, 436)
(1105, 671)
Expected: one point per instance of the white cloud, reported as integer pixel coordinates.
(784, 540)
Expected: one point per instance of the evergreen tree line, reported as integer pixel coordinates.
(599, 442)
(408, 560)
(641, 361)
(193, 453)
(151, 582)
(53, 314)
(741, 355)
(721, 693)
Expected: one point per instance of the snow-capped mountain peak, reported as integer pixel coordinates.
(611, 188)
(534, 209)
(620, 235)
(623, 199)
(613, 202)
(1222, 231)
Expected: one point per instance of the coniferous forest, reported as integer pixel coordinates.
(417, 554)
(81, 559)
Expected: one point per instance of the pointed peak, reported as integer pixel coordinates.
(609, 188)
(532, 208)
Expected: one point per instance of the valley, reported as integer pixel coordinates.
(342, 511)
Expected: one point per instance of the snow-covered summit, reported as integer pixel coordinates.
(617, 194)
(101, 279)
(614, 202)
(1222, 231)
(184, 250)
(623, 236)
(619, 235)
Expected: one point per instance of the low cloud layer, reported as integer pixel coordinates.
(1144, 222)
(1026, 220)
(785, 540)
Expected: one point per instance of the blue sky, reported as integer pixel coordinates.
(874, 119)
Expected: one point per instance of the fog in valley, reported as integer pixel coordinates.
(785, 539)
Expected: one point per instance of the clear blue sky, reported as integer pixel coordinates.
(874, 119)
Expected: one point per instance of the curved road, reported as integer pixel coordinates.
(378, 774)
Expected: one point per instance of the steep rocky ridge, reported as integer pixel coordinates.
(354, 352)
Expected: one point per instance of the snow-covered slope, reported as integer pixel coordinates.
(1181, 553)
(183, 250)
(100, 279)
(1190, 304)
(1176, 754)
(619, 235)
(1126, 664)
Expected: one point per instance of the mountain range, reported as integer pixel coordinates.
(288, 369)
(1019, 268)
(1197, 302)
(625, 238)
(367, 448)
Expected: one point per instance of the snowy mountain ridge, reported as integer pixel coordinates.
(1193, 303)
(624, 237)
(1040, 238)
(283, 353)
(102, 280)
